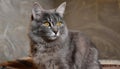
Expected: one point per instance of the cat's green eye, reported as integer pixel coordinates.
(59, 24)
(46, 24)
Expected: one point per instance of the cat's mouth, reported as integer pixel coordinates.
(54, 36)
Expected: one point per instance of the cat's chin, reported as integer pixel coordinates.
(52, 38)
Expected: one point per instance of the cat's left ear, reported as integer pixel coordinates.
(37, 11)
(61, 9)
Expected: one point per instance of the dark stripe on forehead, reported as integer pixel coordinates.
(51, 17)
(54, 18)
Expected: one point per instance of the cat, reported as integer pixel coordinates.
(53, 46)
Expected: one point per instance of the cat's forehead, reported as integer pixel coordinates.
(51, 15)
(47, 14)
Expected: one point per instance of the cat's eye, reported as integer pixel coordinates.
(46, 24)
(59, 24)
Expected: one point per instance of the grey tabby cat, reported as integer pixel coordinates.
(54, 47)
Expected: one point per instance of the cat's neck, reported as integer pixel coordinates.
(39, 43)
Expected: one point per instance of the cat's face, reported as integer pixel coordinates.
(48, 24)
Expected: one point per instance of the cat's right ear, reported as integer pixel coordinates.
(36, 11)
(61, 9)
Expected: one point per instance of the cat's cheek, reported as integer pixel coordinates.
(51, 34)
(58, 34)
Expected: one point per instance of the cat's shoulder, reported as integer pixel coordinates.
(80, 38)
(79, 34)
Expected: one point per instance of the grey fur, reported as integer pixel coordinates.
(69, 50)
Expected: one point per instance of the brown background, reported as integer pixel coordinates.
(99, 19)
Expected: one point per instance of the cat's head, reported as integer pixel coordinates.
(48, 24)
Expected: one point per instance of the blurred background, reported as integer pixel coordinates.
(99, 19)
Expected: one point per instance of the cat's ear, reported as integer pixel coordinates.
(61, 9)
(37, 11)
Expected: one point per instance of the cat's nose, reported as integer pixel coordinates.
(55, 30)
